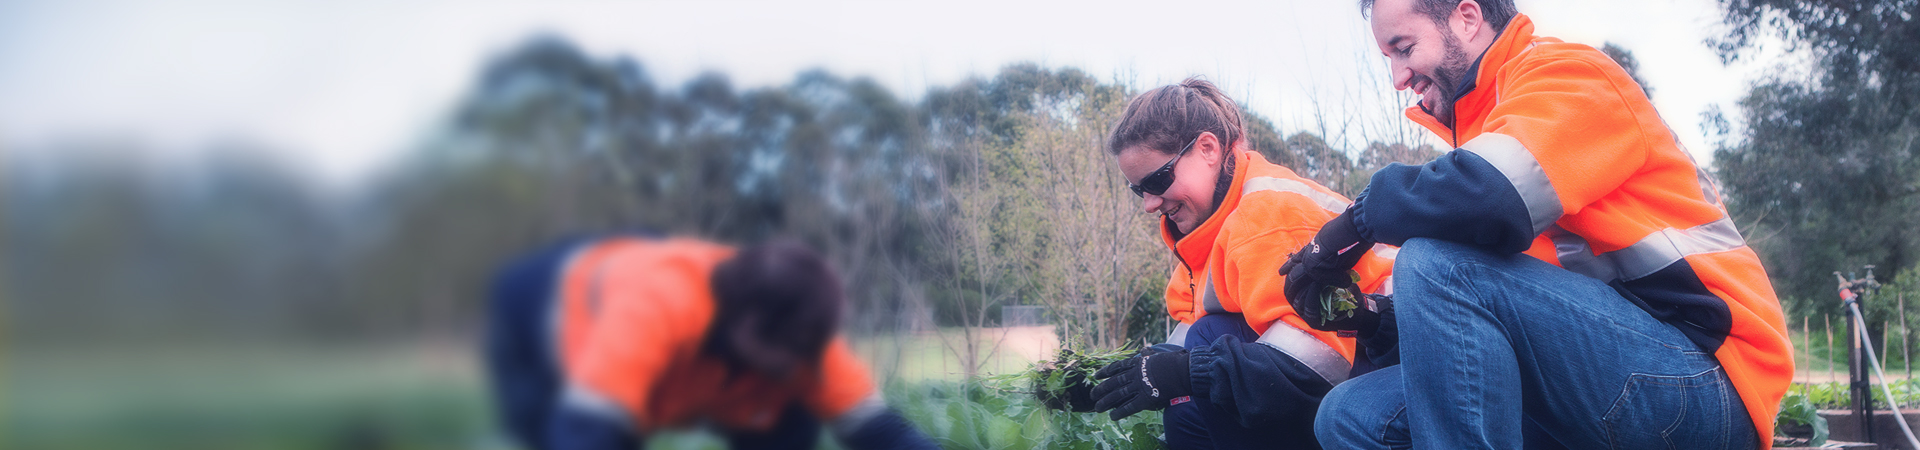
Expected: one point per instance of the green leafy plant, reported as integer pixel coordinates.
(1798, 416)
(1005, 412)
(1337, 303)
(1051, 379)
(1836, 395)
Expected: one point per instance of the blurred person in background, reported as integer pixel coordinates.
(595, 343)
(1569, 277)
(1242, 369)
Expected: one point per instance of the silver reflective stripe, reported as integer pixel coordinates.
(585, 401)
(1212, 301)
(850, 422)
(1654, 252)
(1179, 334)
(1329, 202)
(1524, 172)
(556, 305)
(1305, 348)
(1385, 251)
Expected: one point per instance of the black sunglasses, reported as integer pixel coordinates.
(1156, 183)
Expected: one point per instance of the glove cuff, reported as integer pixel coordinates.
(1344, 236)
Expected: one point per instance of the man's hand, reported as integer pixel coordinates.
(1321, 285)
(1146, 381)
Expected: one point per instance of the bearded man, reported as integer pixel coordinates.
(1568, 277)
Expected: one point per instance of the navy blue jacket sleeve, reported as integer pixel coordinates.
(1263, 385)
(1459, 197)
(571, 429)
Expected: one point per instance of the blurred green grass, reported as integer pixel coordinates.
(421, 395)
(248, 396)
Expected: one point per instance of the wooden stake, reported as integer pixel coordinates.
(1829, 320)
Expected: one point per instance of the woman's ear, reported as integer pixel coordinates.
(1210, 149)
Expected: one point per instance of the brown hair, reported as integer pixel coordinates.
(1496, 12)
(1165, 118)
(785, 292)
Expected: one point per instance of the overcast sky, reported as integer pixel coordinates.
(345, 86)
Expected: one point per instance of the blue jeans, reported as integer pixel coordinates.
(1199, 424)
(1507, 351)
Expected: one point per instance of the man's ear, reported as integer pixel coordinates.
(1470, 20)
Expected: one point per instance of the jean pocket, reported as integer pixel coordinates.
(1673, 412)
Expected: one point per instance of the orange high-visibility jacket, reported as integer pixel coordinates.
(632, 315)
(1231, 262)
(1561, 154)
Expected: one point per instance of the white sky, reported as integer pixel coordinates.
(344, 87)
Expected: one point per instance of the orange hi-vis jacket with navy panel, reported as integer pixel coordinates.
(633, 314)
(1561, 155)
(1231, 262)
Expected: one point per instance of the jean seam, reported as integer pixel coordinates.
(1626, 391)
(1459, 271)
(1388, 425)
(1639, 378)
(1725, 416)
(1667, 434)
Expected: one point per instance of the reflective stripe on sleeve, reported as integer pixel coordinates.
(1179, 334)
(1384, 251)
(1303, 347)
(1328, 202)
(1512, 159)
(1654, 252)
(1211, 301)
(851, 421)
(579, 399)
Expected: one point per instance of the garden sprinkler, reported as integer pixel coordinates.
(1851, 291)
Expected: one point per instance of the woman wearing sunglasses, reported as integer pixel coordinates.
(1241, 370)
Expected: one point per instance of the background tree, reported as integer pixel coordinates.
(1625, 59)
(1820, 169)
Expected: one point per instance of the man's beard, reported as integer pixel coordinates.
(1447, 77)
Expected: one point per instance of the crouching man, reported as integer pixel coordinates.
(596, 343)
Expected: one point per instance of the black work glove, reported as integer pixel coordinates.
(1380, 310)
(1382, 340)
(1145, 381)
(1078, 395)
(1322, 268)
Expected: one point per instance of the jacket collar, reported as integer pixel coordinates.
(1193, 248)
(1470, 109)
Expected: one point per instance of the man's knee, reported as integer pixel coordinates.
(1427, 271)
(1428, 258)
(1360, 412)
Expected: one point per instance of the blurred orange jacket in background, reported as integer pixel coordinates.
(633, 315)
